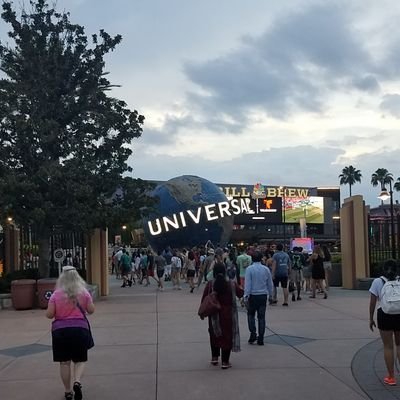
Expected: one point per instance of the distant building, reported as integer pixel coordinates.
(382, 212)
(279, 212)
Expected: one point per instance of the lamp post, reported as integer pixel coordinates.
(123, 238)
(384, 196)
(283, 190)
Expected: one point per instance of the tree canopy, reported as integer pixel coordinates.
(381, 176)
(64, 140)
(350, 176)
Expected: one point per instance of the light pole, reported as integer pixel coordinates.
(384, 196)
(123, 234)
(283, 190)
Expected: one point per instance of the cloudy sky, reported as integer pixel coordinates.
(281, 92)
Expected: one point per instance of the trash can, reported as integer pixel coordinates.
(23, 293)
(45, 288)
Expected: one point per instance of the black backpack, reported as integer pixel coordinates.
(296, 261)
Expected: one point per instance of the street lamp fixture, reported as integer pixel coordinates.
(124, 227)
(384, 196)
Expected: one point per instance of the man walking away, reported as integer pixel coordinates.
(176, 265)
(258, 286)
(243, 261)
(125, 268)
(280, 273)
(160, 264)
(167, 254)
(296, 277)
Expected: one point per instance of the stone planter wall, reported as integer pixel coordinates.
(336, 275)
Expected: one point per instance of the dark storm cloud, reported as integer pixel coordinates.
(292, 67)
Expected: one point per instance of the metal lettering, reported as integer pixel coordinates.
(173, 223)
(210, 212)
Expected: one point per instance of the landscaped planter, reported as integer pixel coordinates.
(23, 292)
(336, 275)
(45, 288)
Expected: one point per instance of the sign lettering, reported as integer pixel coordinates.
(210, 212)
(270, 191)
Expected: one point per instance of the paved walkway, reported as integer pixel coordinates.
(152, 345)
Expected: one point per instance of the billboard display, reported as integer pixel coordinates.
(311, 208)
(275, 205)
(262, 211)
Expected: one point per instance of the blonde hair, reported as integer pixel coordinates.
(71, 283)
(318, 250)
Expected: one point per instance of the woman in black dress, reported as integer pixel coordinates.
(317, 271)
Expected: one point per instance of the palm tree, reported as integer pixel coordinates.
(350, 176)
(382, 176)
(397, 185)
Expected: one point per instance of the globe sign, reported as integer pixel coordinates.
(185, 215)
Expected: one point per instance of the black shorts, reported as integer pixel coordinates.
(388, 322)
(125, 269)
(283, 280)
(70, 344)
(160, 273)
(191, 273)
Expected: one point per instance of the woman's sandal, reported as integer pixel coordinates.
(77, 391)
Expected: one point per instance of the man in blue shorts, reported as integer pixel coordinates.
(280, 273)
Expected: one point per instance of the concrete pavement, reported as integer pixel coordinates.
(152, 345)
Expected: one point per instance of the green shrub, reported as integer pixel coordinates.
(5, 281)
(5, 285)
(336, 258)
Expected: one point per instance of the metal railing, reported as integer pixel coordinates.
(381, 245)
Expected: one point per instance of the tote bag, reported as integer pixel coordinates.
(209, 306)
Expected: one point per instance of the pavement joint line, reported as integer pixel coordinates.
(51, 377)
(326, 305)
(7, 365)
(373, 363)
(315, 362)
(389, 390)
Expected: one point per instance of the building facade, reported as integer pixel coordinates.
(279, 214)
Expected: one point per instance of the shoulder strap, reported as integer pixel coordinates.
(81, 309)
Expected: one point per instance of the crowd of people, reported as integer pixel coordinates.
(294, 271)
(251, 274)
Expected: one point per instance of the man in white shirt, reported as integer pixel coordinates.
(258, 286)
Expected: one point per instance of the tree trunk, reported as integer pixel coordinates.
(350, 190)
(44, 255)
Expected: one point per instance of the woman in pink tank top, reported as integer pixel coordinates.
(67, 307)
